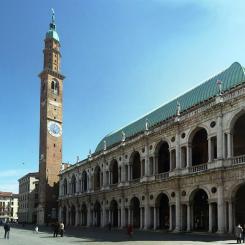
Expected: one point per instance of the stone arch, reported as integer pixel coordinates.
(236, 115)
(114, 171)
(73, 184)
(135, 162)
(65, 186)
(114, 213)
(64, 214)
(97, 213)
(84, 181)
(55, 87)
(198, 139)
(200, 209)
(135, 212)
(73, 215)
(162, 156)
(84, 212)
(238, 133)
(97, 177)
(162, 208)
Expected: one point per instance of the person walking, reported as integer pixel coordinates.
(243, 233)
(238, 233)
(62, 228)
(36, 229)
(6, 230)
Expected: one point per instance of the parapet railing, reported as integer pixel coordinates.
(238, 160)
(162, 176)
(198, 168)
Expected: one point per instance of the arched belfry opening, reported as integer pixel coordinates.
(136, 165)
(162, 209)
(200, 210)
(163, 157)
(239, 136)
(97, 173)
(114, 172)
(55, 87)
(199, 147)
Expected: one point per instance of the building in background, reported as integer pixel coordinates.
(28, 198)
(8, 207)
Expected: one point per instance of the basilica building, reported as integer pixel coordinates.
(178, 168)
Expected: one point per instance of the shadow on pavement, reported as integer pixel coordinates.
(115, 235)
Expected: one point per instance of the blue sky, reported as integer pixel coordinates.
(121, 59)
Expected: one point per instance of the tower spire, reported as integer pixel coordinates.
(52, 25)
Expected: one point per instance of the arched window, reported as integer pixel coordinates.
(55, 87)
(73, 185)
(65, 187)
(84, 181)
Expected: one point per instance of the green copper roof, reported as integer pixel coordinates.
(231, 77)
(52, 33)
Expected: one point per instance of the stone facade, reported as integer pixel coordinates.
(50, 151)
(185, 174)
(8, 206)
(28, 198)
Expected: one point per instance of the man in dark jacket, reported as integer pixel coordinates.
(6, 229)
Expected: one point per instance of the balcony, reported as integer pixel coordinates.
(162, 176)
(198, 168)
(238, 160)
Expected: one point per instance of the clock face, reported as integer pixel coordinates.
(54, 129)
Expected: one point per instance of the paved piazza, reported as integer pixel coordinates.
(102, 236)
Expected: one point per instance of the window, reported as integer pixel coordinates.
(55, 87)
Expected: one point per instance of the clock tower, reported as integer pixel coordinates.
(50, 144)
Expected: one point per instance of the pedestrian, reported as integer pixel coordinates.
(7, 230)
(130, 230)
(56, 229)
(36, 229)
(238, 233)
(243, 233)
(62, 228)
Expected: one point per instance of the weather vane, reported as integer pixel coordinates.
(53, 15)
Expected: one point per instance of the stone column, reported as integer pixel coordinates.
(141, 216)
(122, 216)
(210, 217)
(67, 216)
(171, 160)
(147, 218)
(104, 178)
(129, 215)
(170, 218)
(155, 218)
(147, 162)
(188, 217)
(209, 150)
(77, 217)
(188, 156)
(221, 223)
(103, 215)
(89, 216)
(219, 138)
(229, 145)
(177, 210)
(177, 152)
(119, 217)
(60, 214)
(129, 172)
(230, 218)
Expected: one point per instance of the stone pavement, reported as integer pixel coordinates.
(20, 236)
